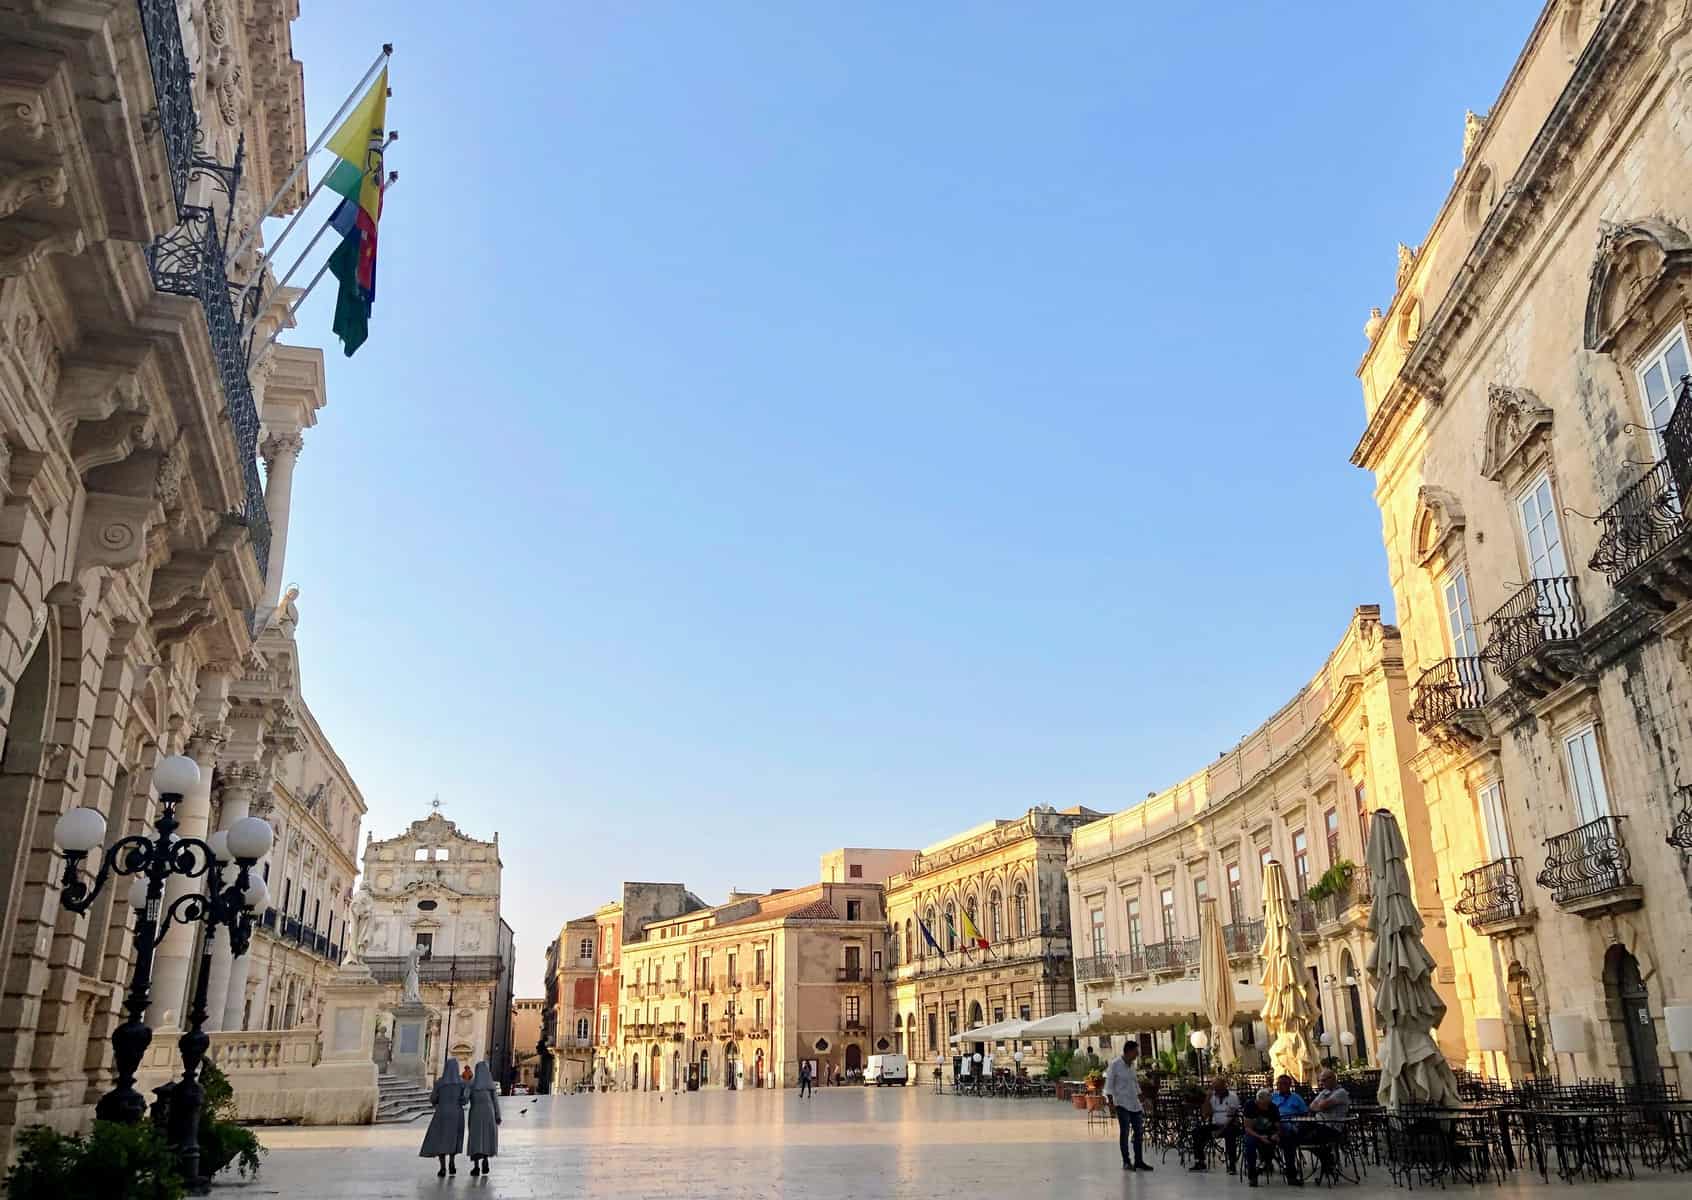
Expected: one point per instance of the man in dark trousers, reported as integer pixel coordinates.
(804, 1079)
(1122, 1093)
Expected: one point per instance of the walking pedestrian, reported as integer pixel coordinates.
(444, 1139)
(1122, 1093)
(484, 1119)
(804, 1079)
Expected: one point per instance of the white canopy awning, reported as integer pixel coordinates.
(1067, 1024)
(1166, 1005)
(998, 1032)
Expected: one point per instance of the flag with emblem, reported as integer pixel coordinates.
(358, 178)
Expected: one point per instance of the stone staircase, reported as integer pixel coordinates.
(399, 1100)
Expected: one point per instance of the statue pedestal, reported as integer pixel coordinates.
(411, 1058)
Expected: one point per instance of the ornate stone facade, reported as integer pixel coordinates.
(572, 1006)
(135, 545)
(1298, 789)
(1010, 877)
(438, 890)
(1545, 627)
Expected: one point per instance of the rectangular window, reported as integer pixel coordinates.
(704, 1015)
(732, 978)
(1330, 823)
(586, 950)
(875, 960)
(1263, 859)
(1492, 820)
(1235, 907)
(855, 871)
(854, 910)
(1135, 939)
(728, 1011)
(1459, 616)
(1363, 816)
(604, 1023)
(426, 944)
(1097, 926)
(704, 979)
(852, 1003)
(758, 1012)
(933, 1030)
(1201, 892)
(1586, 774)
(758, 965)
(1022, 1013)
(1166, 901)
(1301, 861)
(1539, 527)
(1659, 382)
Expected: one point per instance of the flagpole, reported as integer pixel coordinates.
(293, 308)
(328, 131)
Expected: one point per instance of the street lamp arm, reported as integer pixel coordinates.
(130, 855)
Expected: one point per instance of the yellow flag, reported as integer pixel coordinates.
(357, 176)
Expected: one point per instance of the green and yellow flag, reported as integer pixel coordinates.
(358, 178)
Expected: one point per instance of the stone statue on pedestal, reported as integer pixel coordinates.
(359, 943)
(413, 993)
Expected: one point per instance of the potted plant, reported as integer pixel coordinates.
(1333, 881)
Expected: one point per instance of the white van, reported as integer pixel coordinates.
(887, 1069)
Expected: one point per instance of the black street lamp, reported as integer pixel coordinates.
(151, 861)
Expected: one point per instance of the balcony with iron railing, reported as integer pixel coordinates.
(1304, 917)
(1098, 968)
(1680, 834)
(1534, 637)
(390, 968)
(1448, 698)
(1347, 902)
(1177, 954)
(1643, 547)
(1494, 899)
(851, 975)
(189, 259)
(853, 1025)
(1588, 870)
(1243, 939)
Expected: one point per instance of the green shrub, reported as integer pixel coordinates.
(113, 1162)
(1057, 1063)
(222, 1141)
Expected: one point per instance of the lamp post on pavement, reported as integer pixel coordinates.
(151, 861)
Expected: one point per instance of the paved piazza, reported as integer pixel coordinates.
(847, 1142)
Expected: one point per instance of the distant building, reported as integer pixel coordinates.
(855, 865)
(525, 1041)
(1008, 876)
(740, 994)
(572, 991)
(438, 889)
(618, 922)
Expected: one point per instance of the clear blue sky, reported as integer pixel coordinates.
(794, 426)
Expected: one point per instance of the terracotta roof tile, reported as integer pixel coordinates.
(817, 910)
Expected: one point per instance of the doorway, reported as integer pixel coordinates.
(1630, 1014)
(655, 1071)
(731, 1061)
(854, 1058)
(634, 1074)
(1524, 1008)
(1354, 1003)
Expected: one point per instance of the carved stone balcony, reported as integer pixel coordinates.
(1588, 870)
(1681, 834)
(1448, 699)
(1534, 639)
(1643, 547)
(1494, 899)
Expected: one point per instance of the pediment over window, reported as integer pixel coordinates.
(1515, 423)
(1438, 524)
(1634, 264)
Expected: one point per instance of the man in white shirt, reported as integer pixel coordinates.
(1222, 1113)
(1122, 1093)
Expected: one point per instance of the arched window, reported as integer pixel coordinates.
(951, 926)
(1020, 914)
(909, 957)
(974, 915)
(929, 924)
(993, 906)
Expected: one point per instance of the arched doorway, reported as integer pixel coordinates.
(655, 1072)
(854, 1057)
(758, 1070)
(25, 735)
(731, 1063)
(1630, 1016)
(704, 1067)
(675, 1071)
(1524, 1009)
(634, 1074)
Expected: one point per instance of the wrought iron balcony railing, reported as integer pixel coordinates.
(173, 89)
(1100, 966)
(1304, 916)
(1355, 893)
(851, 975)
(1681, 833)
(1447, 691)
(1587, 863)
(1175, 955)
(1530, 626)
(1646, 520)
(1243, 938)
(1493, 893)
(390, 968)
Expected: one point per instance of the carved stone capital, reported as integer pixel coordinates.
(281, 445)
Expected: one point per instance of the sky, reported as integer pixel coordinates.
(788, 426)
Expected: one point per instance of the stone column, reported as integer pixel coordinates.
(176, 955)
(240, 781)
(281, 451)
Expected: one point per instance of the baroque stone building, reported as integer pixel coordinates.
(1526, 423)
(141, 547)
(1009, 877)
(619, 922)
(437, 890)
(739, 994)
(571, 1006)
(1298, 790)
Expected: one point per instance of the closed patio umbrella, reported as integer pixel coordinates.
(1217, 984)
(1413, 1071)
(1286, 998)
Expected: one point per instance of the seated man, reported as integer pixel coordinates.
(1261, 1124)
(1288, 1104)
(1332, 1105)
(1220, 1115)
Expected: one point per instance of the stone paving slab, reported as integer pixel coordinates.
(845, 1144)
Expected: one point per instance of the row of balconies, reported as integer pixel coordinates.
(1243, 939)
(292, 929)
(678, 987)
(1533, 647)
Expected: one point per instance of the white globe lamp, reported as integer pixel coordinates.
(175, 775)
(80, 830)
(250, 839)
